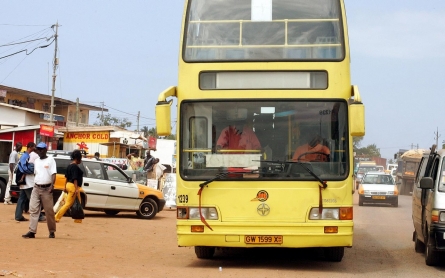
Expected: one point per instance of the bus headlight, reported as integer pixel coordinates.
(208, 213)
(326, 214)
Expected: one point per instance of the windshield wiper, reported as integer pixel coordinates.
(323, 184)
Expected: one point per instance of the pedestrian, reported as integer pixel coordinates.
(97, 156)
(148, 164)
(13, 160)
(45, 176)
(158, 170)
(74, 179)
(26, 167)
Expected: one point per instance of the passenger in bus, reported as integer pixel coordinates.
(238, 137)
(314, 150)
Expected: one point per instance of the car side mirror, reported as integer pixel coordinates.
(427, 183)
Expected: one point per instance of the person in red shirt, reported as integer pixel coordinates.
(236, 138)
(312, 151)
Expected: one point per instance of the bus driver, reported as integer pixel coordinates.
(312, 151)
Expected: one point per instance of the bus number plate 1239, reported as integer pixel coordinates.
(263, 239)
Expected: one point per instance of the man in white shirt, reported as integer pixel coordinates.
(42, 194)
(13, 159)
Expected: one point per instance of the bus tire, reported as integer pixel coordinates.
(334, 254)
(360, 201)
(204, 252)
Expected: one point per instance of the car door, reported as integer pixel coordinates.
(95, 185)
(428, 194)
(123, 194)
(417, 196)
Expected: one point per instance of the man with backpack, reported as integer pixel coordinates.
(24, 178)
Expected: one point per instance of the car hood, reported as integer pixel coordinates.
(378, 187)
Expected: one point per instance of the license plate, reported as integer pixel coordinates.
(263, 239)
(379, 197)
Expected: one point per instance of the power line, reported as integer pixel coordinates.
(21, 25)
(47, 39)
(27, 50)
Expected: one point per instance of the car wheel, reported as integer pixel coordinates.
(147, 209)
(111, 212)
(431, 256)
(396, 203)
(360, 201)
(419, 246)
(204, 252)
(334, 254)
(2, 191)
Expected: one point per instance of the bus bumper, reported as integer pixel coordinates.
(291, 236)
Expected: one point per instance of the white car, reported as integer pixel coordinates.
(378, 187)
(108, 188)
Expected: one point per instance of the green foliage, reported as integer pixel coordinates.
(108, 120)
(370, 150)
(356, 141)
(153, 132)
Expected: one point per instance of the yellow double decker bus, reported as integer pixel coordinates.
(266, 113)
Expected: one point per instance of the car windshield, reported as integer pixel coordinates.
(378, 179)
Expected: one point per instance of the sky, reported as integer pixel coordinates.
(122, 54)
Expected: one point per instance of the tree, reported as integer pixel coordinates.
(109, 120)
(356, 141)
(153, 132)
(370, 150)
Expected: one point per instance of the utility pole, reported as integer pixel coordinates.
(102, 116)
(139, 114)
(437, 135)
(55, 64)
(77, 111)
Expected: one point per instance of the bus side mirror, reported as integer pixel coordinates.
(357, 119)
(427, 183)
(163, 118)
(163, 112)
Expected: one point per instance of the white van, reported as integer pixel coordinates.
(428, 207)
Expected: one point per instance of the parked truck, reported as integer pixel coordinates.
(408, 163)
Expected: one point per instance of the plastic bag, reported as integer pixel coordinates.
(60, 202)
(76, 210)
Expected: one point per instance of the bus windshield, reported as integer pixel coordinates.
(263, 30)
(264, 139)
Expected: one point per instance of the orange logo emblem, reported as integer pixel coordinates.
(261, 196)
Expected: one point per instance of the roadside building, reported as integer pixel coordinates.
(25, 117)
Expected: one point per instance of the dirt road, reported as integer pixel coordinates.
(125, 246)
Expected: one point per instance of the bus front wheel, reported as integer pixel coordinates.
(334, 254)
(204, 252)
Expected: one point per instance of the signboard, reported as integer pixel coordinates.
(152, 183)
(117, 161)
(87, 137)
(47, 130)
(2, 93)
(169, 190)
